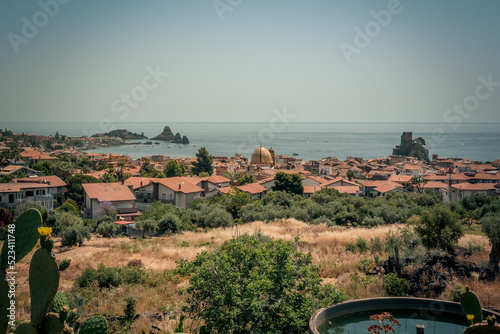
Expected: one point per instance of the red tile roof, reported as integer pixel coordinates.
(138, 181)
(434, 185)
(311, 189)
(474, 186)
(183, 184)
(400, 178)
(252, 188)
(412, 167)
(49, 181)
(347, 189)
(109, 192)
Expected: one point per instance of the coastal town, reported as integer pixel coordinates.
(36, 168)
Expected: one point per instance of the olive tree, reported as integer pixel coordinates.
(256, 285)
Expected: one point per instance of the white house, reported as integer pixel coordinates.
(47, 190)
(117, 193)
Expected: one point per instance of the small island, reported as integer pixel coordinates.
(121, 133)
(168, 135)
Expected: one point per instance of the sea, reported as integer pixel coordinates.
(310, 141)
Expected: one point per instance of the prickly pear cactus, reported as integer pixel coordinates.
(60, 300)
(25, 328)
(482, 328)
(25, 236)
(470, 305)
(96, 324)
(44, 282)
(52, 324)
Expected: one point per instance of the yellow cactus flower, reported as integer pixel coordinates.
(44, 231)
(470, 317)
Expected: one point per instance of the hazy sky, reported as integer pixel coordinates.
(237, 60)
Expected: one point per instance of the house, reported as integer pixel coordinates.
(436, 187)
(380, 188)
(309, 190)
(413, 170)
(117, 193)
(16, 169)
(316, 181)
(210, 184)
(485, 178)
(465, 189)
(401, 179)
(36, 156)
(256, 190)
(179, 191)
(445, 178)
(47, 190)
(268, 183)
(344, 186)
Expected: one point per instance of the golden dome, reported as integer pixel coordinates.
(261, 156)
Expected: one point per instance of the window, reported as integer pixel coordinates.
(29, 193)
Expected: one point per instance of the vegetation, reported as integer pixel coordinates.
(291, 183)
(439, 228)
(203, 163)
(174, 168)
(255, 285)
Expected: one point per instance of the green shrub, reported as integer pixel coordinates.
(214, 216)
(373, 221)
(107, 229)
(376, 245)
(350, 247)
(455, 293)
(111, 276)
(75, 235)
(395, 286)
(362, 245)
(322, 220)
(169, 222)
(92, 224)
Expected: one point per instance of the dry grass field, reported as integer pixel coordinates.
(158, 256)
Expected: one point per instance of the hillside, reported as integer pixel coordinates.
(161, 291)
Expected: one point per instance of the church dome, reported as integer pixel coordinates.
(261, 156)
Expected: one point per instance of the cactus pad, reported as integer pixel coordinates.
(25, 236)
(470, 305)
(4, 302)
(482, 328)
(44, 282)
(96, 324)
(25, 328)
(60, 300)
(52, 324)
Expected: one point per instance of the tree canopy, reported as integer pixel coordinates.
(291, 183)
(439, 228)
(174, 168)
(256, 285)
(203, 162)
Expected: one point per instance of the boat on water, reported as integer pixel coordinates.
(181, 146)
(295, 154)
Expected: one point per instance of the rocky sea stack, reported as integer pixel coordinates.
(168, 135)
(412, 148)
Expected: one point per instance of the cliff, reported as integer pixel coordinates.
(165, 135)
(168, 135)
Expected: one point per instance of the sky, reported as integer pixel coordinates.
(245, 61)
